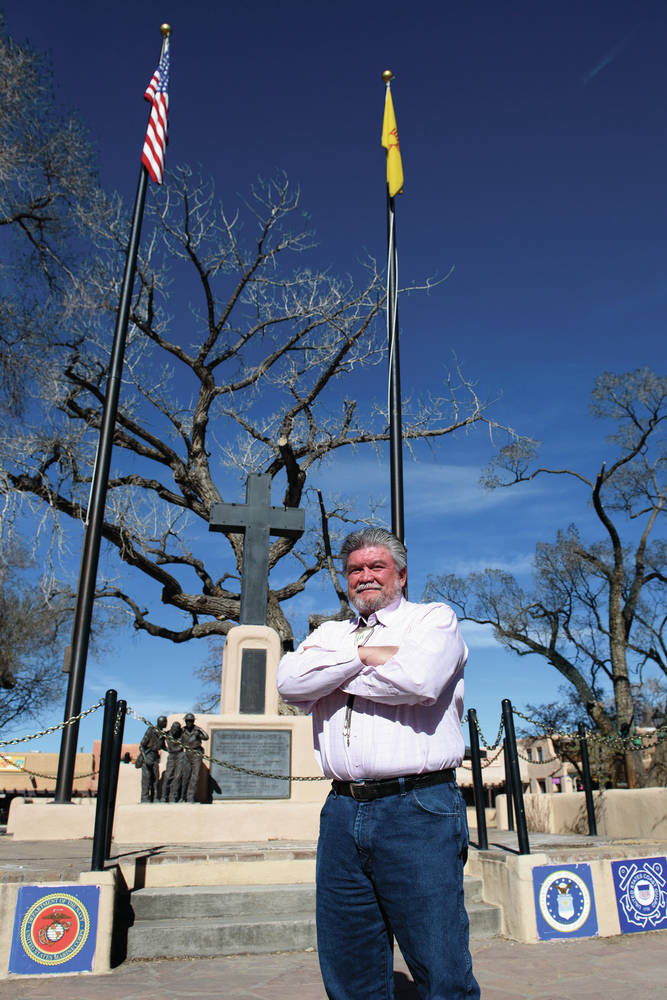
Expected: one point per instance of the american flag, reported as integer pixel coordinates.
(155, 142)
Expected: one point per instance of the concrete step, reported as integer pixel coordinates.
(485, 920)
(205, 902)
(191, 921)
(472, 889)
(204, 938)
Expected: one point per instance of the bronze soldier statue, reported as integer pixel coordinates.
(192, 739)
(172, 779)
(151, 744)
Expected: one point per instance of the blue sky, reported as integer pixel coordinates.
(535, 154)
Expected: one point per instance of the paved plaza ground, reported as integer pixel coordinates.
(584, 969)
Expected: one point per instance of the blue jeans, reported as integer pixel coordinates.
(394, 867)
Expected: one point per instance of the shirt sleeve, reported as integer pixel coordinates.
(430, 653)
(322, 663)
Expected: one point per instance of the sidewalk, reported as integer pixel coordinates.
(581, 969)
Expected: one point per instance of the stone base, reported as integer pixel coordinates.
(166, 823)
(107, 882)
(508, 883)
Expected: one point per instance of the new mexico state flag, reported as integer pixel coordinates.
(391, 144)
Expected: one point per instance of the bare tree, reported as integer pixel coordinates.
(559, 720)
(597, 609)
(47, 194)
(251, 377)
(32, 639)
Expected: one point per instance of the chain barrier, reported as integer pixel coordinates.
(545, 760)
(616, 742)
(484, 763)
(497, 746)
(488, 746)
(53, 729)
(38, 774)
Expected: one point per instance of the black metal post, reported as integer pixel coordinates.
(477, 781)
(395, 409)
(588, 784)
(91, 545)
(508, 787)
(517, 790)
(104, 783)
(119, 729)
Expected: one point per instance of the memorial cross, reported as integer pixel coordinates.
(258, 520)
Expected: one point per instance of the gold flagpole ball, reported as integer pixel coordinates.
(387, 76)
(165, 30)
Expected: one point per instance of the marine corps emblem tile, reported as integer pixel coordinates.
(641, 898)
(55, 928)
(564, 901)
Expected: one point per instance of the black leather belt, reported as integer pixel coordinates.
(364, 791)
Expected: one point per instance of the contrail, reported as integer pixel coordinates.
(608, 58)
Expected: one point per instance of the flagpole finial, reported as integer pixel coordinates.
(387, 76)
(165, 30)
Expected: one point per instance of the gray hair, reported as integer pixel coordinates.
(367, 537)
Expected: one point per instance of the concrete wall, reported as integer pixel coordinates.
(490, 814)
(620, 813)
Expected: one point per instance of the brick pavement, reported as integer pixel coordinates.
(580, 969)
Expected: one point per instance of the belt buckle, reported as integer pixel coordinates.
(357, 786)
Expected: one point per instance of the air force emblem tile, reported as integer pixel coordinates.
(55, 928)
(564, 901)
(640, 893)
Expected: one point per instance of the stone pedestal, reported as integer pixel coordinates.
(249, 668)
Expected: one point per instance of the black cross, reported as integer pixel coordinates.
(258, 520)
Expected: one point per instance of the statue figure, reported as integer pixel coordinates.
(192, 738)
(172, 779)
(151, 744)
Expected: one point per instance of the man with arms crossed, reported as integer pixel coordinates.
(386, 695)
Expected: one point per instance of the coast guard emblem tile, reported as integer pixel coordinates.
(641, 895)
(564, 901)
(55, 928)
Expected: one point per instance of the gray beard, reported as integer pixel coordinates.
(373, 600)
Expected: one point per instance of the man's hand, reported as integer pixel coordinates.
(375, 656)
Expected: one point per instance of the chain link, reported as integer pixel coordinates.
(120, 714)
(484, 763)
(488, 746)
(545, 760)
(616, 741)
(53, 729)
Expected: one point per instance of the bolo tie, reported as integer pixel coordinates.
(361, 636)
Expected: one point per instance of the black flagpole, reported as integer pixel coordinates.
(95, 521)
(91, 543)
(395, 415)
